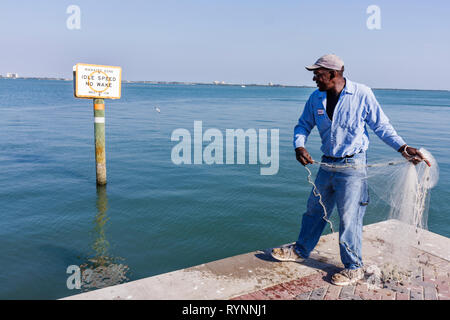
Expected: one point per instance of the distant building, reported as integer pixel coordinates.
(12, 75)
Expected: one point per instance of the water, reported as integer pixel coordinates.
(156, 217)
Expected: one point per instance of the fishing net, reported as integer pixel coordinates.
(405, 190)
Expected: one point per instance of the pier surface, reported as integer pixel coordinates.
(257, 276)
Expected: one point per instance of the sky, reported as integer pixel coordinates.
(246, 41)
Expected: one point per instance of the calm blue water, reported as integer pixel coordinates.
(155, 217)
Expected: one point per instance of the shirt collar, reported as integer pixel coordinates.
(349, 87)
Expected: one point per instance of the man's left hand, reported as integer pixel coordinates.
(413, 155)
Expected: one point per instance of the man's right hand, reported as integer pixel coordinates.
(303, 156)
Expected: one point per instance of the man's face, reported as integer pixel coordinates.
(322, 77)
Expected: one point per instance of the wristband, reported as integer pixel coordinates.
(404, 150)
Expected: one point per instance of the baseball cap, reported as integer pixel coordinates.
(329, 61)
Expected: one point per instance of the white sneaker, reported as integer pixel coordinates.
(287, 253)
(347, 277)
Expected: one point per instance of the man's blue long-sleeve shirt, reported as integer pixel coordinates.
(347, 133)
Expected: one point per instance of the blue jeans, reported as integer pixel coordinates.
(348, 190)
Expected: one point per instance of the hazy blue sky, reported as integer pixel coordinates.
(235, 41)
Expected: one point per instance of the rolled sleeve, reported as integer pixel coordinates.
(304, 126)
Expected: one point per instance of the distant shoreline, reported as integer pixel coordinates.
(211, 83)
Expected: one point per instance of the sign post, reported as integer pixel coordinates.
(99, 83)
(99, 130)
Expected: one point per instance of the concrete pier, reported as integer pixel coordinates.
(257, 276)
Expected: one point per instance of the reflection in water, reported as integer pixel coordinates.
(102, 270)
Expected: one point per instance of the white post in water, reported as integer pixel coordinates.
(99, 83)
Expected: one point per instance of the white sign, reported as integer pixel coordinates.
(94, 81)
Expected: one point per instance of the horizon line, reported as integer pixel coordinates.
(222, 83)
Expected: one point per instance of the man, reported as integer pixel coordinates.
(340, 109)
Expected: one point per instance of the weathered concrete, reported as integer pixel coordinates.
(256, 275)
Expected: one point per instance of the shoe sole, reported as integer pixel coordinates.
(343, 284)
(286, 259)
